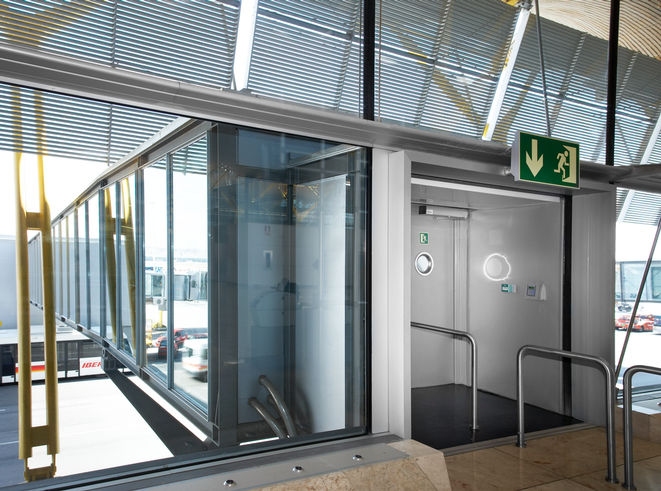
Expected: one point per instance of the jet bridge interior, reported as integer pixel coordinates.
(509, 264)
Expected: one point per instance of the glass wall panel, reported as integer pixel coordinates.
(110, 263)
(127, 265)
(287, 285)
(83, 267)
(155, 274)
(94, 264)
(57, 274)
(189, 229)
(71, 268)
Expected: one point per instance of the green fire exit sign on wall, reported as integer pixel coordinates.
(537, 158)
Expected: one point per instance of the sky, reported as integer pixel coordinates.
(59, 173)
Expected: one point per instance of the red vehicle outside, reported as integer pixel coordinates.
(642, 324)
(161, 343)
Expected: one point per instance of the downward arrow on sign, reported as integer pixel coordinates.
(534, 163)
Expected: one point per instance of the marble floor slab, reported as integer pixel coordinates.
(569, 461)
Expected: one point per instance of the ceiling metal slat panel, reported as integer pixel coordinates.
(171, 42)
(470, 54)
(189, 41)
(645, 209)
(300, 59)
(77, 128)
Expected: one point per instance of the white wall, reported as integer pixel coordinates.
(391, 293)
(593, 298)
(530, 238)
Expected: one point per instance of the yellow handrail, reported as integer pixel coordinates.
(34, 436)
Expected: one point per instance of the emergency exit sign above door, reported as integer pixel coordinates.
(545, 160)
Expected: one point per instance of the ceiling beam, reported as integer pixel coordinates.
(244, 42)
(506, 73)
(651, 142)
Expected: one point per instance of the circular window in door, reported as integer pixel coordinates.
(424, 263)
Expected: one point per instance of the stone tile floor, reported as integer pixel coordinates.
(568, 461)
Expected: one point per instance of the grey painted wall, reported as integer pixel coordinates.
(8, 283)
(432, 301)
(530, 238)
(593, 298)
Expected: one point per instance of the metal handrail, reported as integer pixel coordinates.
(628, 430)
(280, 405)
(610, 397)
(461, 334)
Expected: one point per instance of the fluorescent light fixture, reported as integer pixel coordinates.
(244, 40)
(485, 190)
(505, 75)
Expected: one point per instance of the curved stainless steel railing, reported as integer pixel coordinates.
(280, 405)
(471, 340)
(628, 430)
(610, 397)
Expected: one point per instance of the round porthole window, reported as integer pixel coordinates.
(496, 267)
(424, 263)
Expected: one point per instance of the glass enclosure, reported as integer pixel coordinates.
(251, 296)
(286, 284)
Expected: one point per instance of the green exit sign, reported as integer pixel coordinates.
(537, 158)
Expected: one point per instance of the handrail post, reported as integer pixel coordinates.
(520, 435)
(610, 389)
(627, 423)
(471, 340)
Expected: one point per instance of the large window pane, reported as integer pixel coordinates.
(156, 300)
(95, 264)
(287, 285)
(127, 265)
(189, 229)
(83, 267)
(71, 268)
(57, 267)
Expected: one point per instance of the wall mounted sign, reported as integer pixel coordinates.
(537, 158)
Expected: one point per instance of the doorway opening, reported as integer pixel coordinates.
(497, 258)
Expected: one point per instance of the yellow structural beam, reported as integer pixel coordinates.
(111, 271)
(31, 436)
(129, 246)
